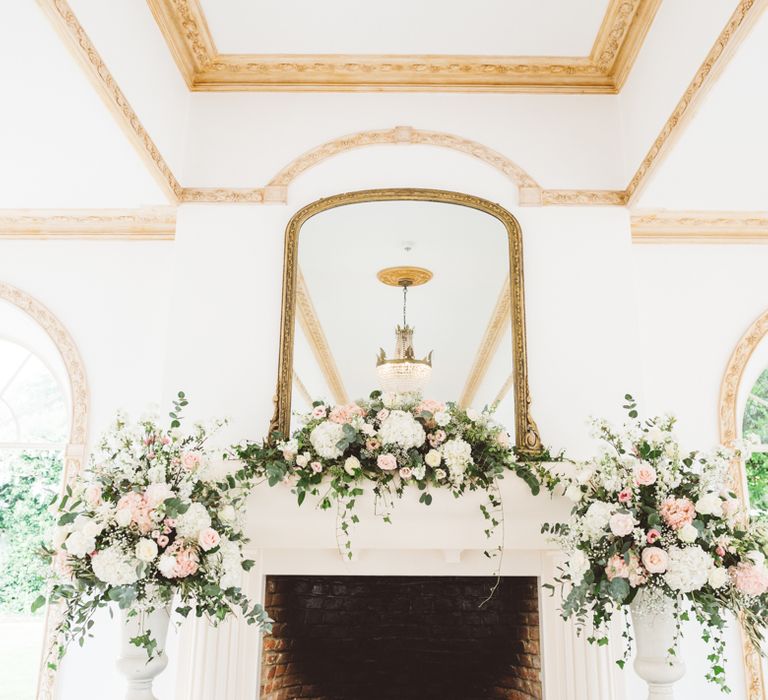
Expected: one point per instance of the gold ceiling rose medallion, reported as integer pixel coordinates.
(405, 276)
(527, 437)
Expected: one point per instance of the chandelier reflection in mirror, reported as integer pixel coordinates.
(404, 373)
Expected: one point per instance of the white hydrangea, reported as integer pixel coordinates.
(79, 544)
(325, 438)
(189, 524)
(457, 454)
(402, 429)
(578, 565)
(114, 568)
(231, 569)
(688, 569)
(596, 519)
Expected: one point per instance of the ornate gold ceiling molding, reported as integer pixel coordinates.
(729, 432)
(583, 198)
(736, 30)
(497, 325)
(83, 49)
(310, 324)
(621, 33)
(105, 224)
(717, 227)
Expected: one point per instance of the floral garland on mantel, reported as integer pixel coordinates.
(394, 441)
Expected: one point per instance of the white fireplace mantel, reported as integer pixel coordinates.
(443, 539)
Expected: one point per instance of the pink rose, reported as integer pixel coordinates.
(625, 496)
(162, 541)
(316, 467)
(383, 414)
(208, 539)
(655, 559)
(677, 512)
(191, 461)
(429, 406)
(319, 412)
(653, 536)
(616, 568)
(720, 550)
(387, 462)
(750, 579)
(344, 414)
(405, 473)
(621, 524)
(644, 474)
(187, 563)
(372, 444)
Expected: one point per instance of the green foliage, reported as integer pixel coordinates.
(756, 423)
(28, 483)
(757, 476)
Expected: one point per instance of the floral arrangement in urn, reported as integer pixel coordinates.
(147, 524)
(393, 441)
(661, 531)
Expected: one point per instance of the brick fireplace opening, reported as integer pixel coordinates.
(401, 637)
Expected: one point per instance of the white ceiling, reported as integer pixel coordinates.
(481, 27)
(720, 160)
(59, 144)
(342, 249)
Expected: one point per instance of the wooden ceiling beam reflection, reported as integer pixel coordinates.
(310, 324)
(498, 323)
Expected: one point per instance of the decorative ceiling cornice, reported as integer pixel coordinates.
(107, 224)
(621, 34)
(736, 30)
(729, 227)
(313, 330)
(497, 325)
(583, 198)
(85, 52)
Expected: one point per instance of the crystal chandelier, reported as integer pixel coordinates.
(403, 373)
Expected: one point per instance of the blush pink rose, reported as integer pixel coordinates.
(93, 495)
(187, 563)
(319, 412)
(344, 414)
(372, 444)
(750, 579)
(653, 536)
(383, 414)
(430, 406)
(191, 461)
(406, 473)
(387, 462)
(208, 539)
(720, 550)
(162, 541)
(644, 474)
(677, 512)
(316, 467)
(616, 568)
(655, 559)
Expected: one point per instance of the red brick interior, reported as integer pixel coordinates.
(401, 638)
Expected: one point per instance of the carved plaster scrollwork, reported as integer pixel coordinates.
(729, 432)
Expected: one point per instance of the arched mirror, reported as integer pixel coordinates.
(405, 290)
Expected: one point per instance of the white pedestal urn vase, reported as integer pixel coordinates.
(133, 663)
(654, 630)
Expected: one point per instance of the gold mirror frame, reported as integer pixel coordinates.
(527, 437)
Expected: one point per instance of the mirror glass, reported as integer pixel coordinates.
(457, 304)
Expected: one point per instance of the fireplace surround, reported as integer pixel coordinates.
(401, 637)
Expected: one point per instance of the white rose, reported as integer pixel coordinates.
(146, 549)
(718, 576)
(710, 504)
(440, 474)
(123, 517)
(91, 528)
(688, 533)
(578, 565)
(78, 544)
(756, 557)
(574, 493)
(227, 514)
(303, 459)
(60, 534)
(442, 418)
(157, 493)
(621, 524)
(433, 458)
(166, 565)
(473, 415)
(351, 465)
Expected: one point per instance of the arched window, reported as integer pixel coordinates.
(35, 424)
(755, 425)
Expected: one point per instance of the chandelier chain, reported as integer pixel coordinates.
(405, 303)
